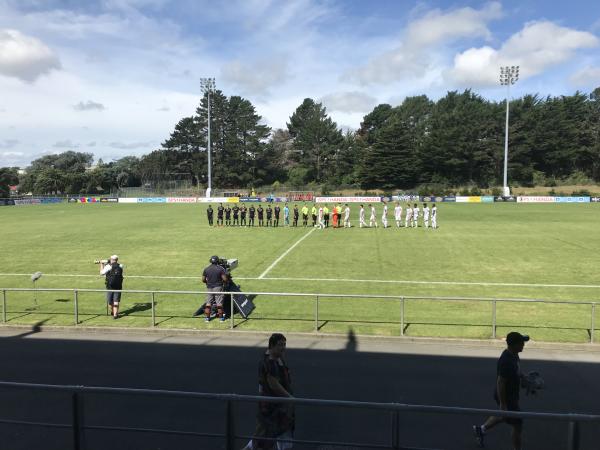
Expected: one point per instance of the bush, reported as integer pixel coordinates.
(581, 193)
(475, 191)
(496, 191)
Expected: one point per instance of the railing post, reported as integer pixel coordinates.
(395, 441)
(153, 309)
(3, 305)
(231, 313)
(76, 400)
(593, 327)
(493, 319)
(401, 316)
(573, 442)
(75, 298)
(317, 314)
(229, 426)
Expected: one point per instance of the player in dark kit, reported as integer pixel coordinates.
(251, 212)
(243, 216)
(260, 212)
(296, 213)
(209, 214)
(276, 211)
(236, 214)
(228, 216)
(220, 210)
(269, 216)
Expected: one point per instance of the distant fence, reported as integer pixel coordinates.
(78, 426)
(396, 301)
(97, 199)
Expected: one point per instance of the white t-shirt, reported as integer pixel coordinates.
(347, 213)
(416, 212)
(384, 211)
(426, 213)
(362, 214)
(398, 211)
(433, 212)
(372, 212)
(107, 269)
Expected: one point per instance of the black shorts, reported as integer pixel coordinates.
(512, 406)
(113, 298)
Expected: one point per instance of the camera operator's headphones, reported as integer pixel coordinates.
(214, 259)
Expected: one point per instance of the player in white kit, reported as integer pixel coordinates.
(373, 218)
(398, 214)
(415, 217)
(408, 219)
(384, 215)
(347, 216)
(434, 217)
(320, 222)
(425, 215)
(361, 217)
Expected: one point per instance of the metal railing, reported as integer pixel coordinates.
(402, 299)
(229, 436)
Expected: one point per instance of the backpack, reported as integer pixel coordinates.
(114, 277)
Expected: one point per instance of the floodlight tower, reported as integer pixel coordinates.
(508, 75)
(207, 85)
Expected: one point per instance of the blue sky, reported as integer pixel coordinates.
(113, 77)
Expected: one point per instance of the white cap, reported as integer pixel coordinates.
(115, 257)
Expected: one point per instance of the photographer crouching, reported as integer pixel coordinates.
(113, 272)
(214, 276)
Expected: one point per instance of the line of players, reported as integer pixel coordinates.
(320, 216)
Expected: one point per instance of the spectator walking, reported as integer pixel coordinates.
(506, 393)
(274, 420)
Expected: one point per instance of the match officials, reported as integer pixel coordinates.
(213, 276)
(113, 272)
(209, 214)
(313, 213)
(296, 213)
(304, 215)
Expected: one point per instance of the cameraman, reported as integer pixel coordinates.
(113, 272)
(214, 276)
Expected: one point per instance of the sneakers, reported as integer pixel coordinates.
(478, 435)
(207, 319)
(222, 319)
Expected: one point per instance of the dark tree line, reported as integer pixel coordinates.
(455, 141)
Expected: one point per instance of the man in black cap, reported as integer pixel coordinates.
(214, 276)
(506, 393)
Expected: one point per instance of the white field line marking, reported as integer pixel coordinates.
(262, 275)
(346, 280)
(466, 283)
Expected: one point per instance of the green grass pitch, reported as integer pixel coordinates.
(519, 249)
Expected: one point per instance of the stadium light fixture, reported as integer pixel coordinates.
(208, 85)
(508, 76)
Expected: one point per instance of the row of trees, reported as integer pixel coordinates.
(455, 141)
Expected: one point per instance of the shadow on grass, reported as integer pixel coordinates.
(137, 307)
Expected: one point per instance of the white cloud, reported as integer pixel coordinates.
(349, 102)
(9, 143)
(538, 46)
(25, 57)
(586, 77)
(89, 106)
(257, 77)
(413, 57)
(131, 145)
(67, 143)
